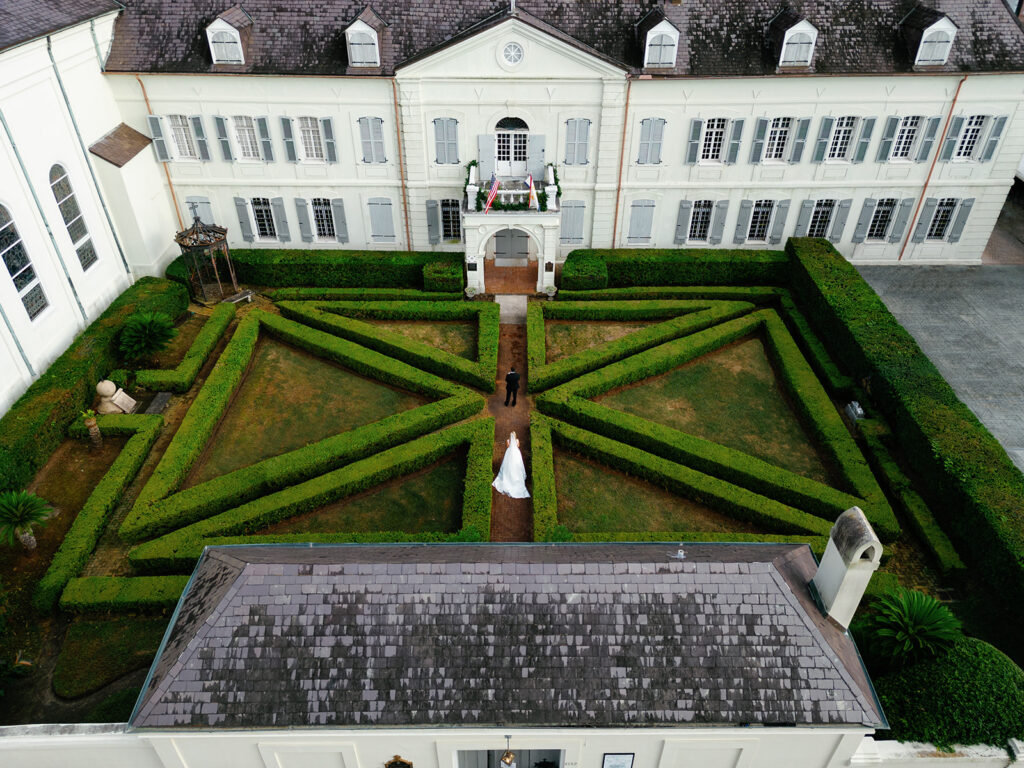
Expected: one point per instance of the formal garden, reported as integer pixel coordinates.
(672, 396)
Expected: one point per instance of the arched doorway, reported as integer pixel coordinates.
(511, 142)
(510, 264)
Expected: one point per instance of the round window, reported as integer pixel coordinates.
(513, 53)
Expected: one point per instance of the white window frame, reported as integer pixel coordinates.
(85, 239)
(907, 126)
(221, 27)
(976, 128)
(843, 123)
(172, 139)
(777, 138)
(926, 51)
(667, 29)
(34, 282)
(708, 134)
(754, 210)
(700, 207)
(257, 234)
(798, 30)
(308, 127)
(451, 220)
(239, 145)
(946, 206)
(322, 214)
(352, 34)
(889, 204)
(825, 204)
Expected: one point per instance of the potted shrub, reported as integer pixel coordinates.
(89, 418)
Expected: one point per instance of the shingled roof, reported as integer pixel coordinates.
(24, 20)
(725, 37)
(402, 635)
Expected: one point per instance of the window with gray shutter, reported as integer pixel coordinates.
(280, 219)
(779, 221)
(371, 134)
(266, 145)
(924, 219)
(821, 145)
(757, 148)
(803, 125)
(866, 213)
(451, 220)
(340, 222)
(718, 222)
(651, 131)
(961, 220)
(433, 222)
(446, 140)
(242, 208)
(323, 218)
(289, 140)
(839, 220)
(200, 206)
(156, 132)
(641, 220)
(485, 157)
(803, 218)
(888, 135)
(220, 124)
(693, 147)
(993, 139)
(903, 214)
(821, 216)
(956, 125)
(742, 222)
(867, 127)
(382, 225)
(931, 131)
(735, 137)
(682, 221)
(577, 141)
(305, 226)
(882, 218)
(701, 227)
(535, 157)
(200, 132)
(327, 128)
(572, 222)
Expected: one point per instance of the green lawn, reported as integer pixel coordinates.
(290, 398)
(567, 337)
(458, 337)
(594, 498)
(730, 396)
(96, 653)
(429, 500)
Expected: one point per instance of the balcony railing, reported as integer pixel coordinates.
(512, 192)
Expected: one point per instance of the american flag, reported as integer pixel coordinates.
(493, 193)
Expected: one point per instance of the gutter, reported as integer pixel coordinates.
(42, 214)
(85, 155)
(622, 160)
(401, 165)
(167, 173)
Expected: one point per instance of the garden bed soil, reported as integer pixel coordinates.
(459, 337)
(567, 337)
(174, 352)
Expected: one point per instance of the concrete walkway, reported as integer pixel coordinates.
(970, 322)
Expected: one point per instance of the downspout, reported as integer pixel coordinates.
(622, 160)
(167, 173)
(17, 343)
(928, 178)
(85, 155)
(96, 45)
(401, 165)
(46, 223)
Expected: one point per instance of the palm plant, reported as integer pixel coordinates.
(908, 625)
(19, 511)
(145, 334)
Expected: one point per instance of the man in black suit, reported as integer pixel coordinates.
(511, 386)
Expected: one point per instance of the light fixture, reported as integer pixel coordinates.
(509, 757)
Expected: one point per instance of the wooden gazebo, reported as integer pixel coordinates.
(206, 257)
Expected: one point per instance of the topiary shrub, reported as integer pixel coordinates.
(443, 275)
(584, 271)
(145, 334)
(906, 626)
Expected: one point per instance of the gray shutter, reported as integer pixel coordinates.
(305, 228)
(289, 140)
(377, 140)
(931, 130)
(572, 221)
(156, 132)
(925, 219)
(718, 222)
(203, 208)
(485, 157)
(433, 222)
(641, 219)
(743, 222)
(535, 157)
(452, 137)
(657, 134)
(734, 142)
(263, 127)
(949, 144)
(693, 148)
(961, 220)
(757, 148)
(803, 125)
(280, 219)
(683, 221)
(820, 147)
(364, 137)
(582, 142)
(992, 143)
(220, 124)
(839, 220)
(440, 145)
(867, 127)
(902, 217)
(866, 212)
(243, 219)
(885, 146)
(340, 222)
(327, 126)
(382, 224)
(779, 223)
(644, 154)
(803, 219)
(571, 128)
(200, 134)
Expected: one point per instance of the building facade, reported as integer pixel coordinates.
(893, 130)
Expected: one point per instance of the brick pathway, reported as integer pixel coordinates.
(510, 280)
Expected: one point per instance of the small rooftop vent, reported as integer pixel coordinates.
(852, 555)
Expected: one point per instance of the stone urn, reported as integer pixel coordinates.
(106, 390)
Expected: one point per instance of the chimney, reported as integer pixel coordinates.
(852, 555)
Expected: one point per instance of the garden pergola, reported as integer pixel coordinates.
(203, 245)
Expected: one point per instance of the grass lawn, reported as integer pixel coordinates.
(96, 653)
(567, 337)
(593, 498)
(290, 398)
(428, 500)
(459, 337)
(730, 396)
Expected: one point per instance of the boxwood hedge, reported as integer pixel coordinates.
(359, 294)
(689, 266)
(135, 594)
(180, 379)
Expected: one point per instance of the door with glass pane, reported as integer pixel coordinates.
(510, 153)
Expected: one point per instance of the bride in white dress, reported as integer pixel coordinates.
(511, 479)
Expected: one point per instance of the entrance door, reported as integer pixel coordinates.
(510, 153)
(511, 244)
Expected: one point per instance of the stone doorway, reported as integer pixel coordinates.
(511, 248)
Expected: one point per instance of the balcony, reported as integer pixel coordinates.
(513, 194)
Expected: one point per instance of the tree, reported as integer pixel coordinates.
(906, 626)
(19, 511)
(145, 334)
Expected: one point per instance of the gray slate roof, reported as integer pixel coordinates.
(24, 20)
(724, 37)
(564, 634)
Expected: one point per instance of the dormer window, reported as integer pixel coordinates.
(798, 45)
(228, 36)
(226, 48)
(363, 51)
(936, 43)
(662, 46)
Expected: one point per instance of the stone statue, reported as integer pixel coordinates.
(112, 399)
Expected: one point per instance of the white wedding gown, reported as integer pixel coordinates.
(511, 479)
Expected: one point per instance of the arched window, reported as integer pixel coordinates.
(934, 48)
(661, 51)
(511, 124)
(19, 267)
(72, 215)
(798, 50)
(226, 48)
(362, 50)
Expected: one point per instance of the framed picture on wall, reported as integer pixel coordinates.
(618, 760)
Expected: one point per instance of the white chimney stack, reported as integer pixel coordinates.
(853, 554)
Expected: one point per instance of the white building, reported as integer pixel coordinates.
(345, 125)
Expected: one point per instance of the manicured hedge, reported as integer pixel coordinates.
(123, 594)
(690, 266)
(184, 546)
(978, 491)
(181, 378)
(36, 424)
(359, 294)
(755, 294)
(584, 271)
(92, 518)
(443, 275)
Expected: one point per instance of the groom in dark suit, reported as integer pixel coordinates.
(511, 385)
